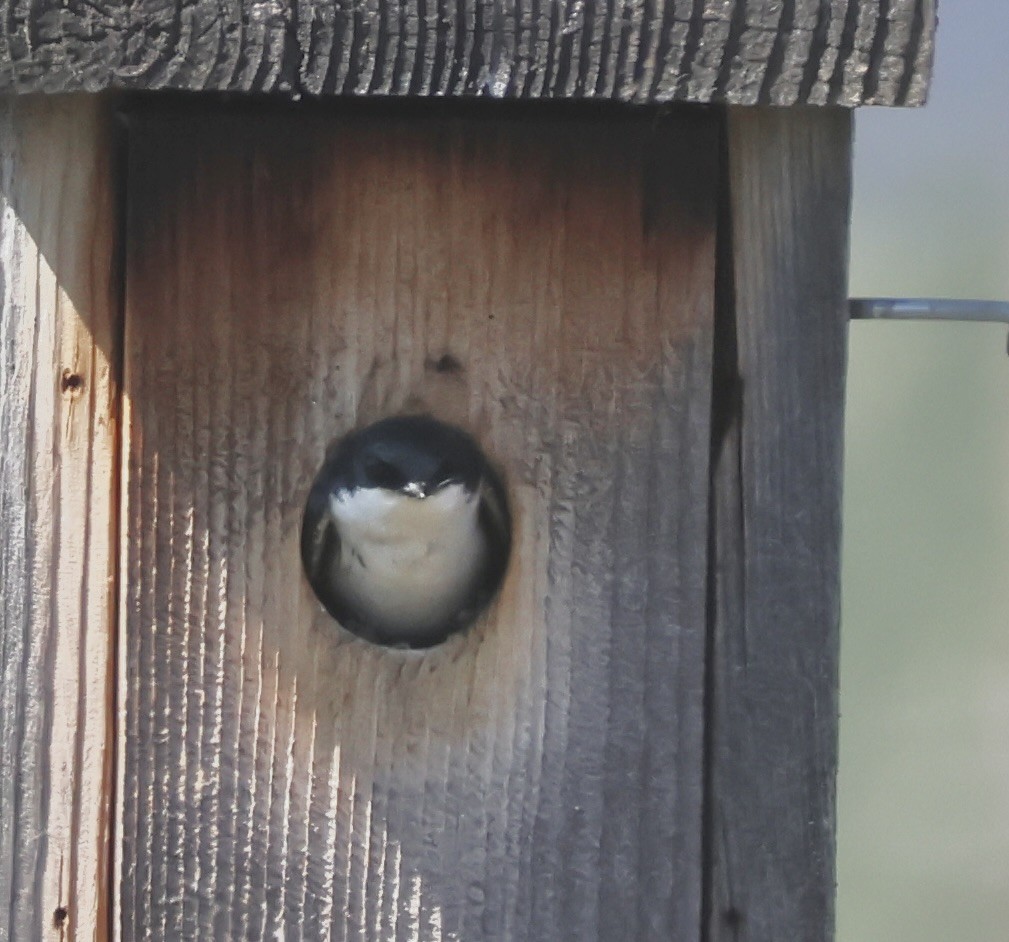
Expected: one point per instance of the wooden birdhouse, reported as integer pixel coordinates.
(609, 243)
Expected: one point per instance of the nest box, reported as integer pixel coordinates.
(609, 242)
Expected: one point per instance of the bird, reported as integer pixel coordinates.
(406, 533)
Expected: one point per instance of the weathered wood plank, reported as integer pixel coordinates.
(780, 52)
(779, 393)
(58, 468)
(540, 776)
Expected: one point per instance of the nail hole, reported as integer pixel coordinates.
(60, 916)
(446, 363)
(71, 382)
(733, 917)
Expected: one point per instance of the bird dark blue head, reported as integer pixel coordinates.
(415, 454)
(406, 533)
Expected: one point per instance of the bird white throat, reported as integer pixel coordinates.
(407, 562)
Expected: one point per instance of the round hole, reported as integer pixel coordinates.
(406, 532)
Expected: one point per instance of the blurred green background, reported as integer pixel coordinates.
(923, 791)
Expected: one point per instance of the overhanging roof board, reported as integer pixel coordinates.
(778, 52)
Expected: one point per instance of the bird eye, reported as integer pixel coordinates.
(445, 473)
(384, 474)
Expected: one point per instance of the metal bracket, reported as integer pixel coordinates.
(928, 309)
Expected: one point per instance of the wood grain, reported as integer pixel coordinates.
(780, 52)
(779, 396)
(540, 776)
(58, 472)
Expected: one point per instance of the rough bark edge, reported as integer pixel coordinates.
(747, 52)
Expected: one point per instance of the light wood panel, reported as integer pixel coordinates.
(58, 472)
(540, 776)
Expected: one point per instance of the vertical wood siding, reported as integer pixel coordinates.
(540, 776)
(58, 468)
(776, 495)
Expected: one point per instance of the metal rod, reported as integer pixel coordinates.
(928, 309)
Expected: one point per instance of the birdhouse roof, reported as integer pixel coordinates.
(741, 52)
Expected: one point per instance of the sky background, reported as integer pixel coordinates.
(923, 792)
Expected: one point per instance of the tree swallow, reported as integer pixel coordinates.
(406, 533)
